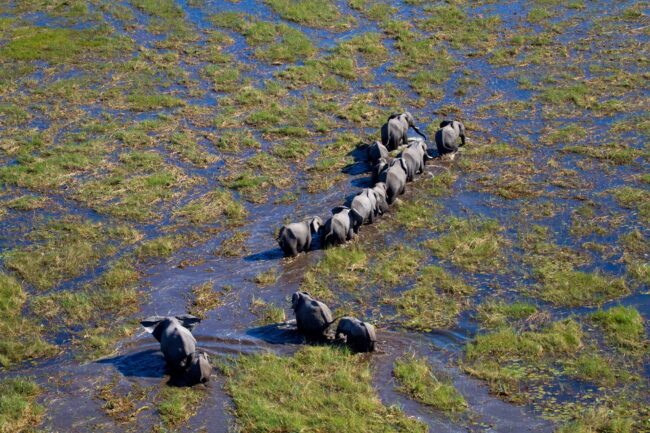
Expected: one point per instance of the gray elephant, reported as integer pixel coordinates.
(199, 369)
(394, 176)
(394, 132)
(177, 343)
(359, 336)
(447, 136)
(377, 168)
(365, 204)
(415, 157)
(296, 237)
(380, 193)
(376, 151)
(313, 318)
(341, 227)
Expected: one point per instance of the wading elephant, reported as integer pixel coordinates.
(394, 132)
(380, 193)
(341, 227)
(313, 318)
(376, 151)
(394, 176)
(415, 157)
(359, 336)
(177, 344)
(365, 204)
(199, 369)
(296, 237)
(447, 136)
(377, 168)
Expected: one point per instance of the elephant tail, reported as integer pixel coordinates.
(330, 323)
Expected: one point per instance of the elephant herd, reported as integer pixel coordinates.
(314, 318)
(389, 177)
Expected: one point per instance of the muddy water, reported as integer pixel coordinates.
(71, 396)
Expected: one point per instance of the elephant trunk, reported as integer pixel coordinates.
(422, 134)
(462, 139)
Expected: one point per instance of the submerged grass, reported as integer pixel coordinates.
(624, 327)
(313, 13)
(418, 381)
(318, 389)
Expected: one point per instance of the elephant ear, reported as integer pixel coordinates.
(151, 322)
(370, 329)
(338, 209)
(445, 123)
(188, 321)
(403, 164)
(315, 224)
(394, 115)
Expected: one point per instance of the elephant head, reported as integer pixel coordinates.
(457, 126)
(297, 298)
(411, 123)
(153, 323)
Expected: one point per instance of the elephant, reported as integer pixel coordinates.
(447, 136)
(376, 151)
(313, 318)
(380, 193)
(395, 131)
(377, 168)
(359, 336)
(341, 227)
(296, 237)
(415, 157)
(365, 204)
(176, 340)
(199, 369)
(394, 176)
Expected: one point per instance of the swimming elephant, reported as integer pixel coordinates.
(380, 193)
(415, 157)
(376, 151)
(447, 136)
(359, 336)
(176, 340)
(313, 318)
(199, 369)
(395, 131)
(394, 176)
(341, 227)
(296, 237)
(365, 204)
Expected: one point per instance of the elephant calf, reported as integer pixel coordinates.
(365, 204)
(359, 336)
(380, 193)
(341, 227)
(394, 132)
(313, 318)
(178, 345)
(296, 237)
(447, 136)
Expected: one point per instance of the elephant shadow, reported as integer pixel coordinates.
(270, 254)
(278, 333)
(147, 363)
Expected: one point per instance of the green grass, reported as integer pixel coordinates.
(267, 314)
(616, 154)
(235, 140)
(633, 198)
(392, 265)
(320, 389)
(494, 314)
(234, 246)
(213, 207)
(205, 299)
(592, 367)
(67, 249)
(22, 336)
(19, 411)
(416, 379)
(176, 405)
(57, 45)
(566, 134)
(434, 302)
(185, 146)
(342, 267)
(313, 13)
(162, 246)
(148, 102)
(267, 277)
(505, 358)
(417, 214)
(598, 420)
(471, 244)
(576, 288)
(27, 203)
(369, 45)
(624, 328)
